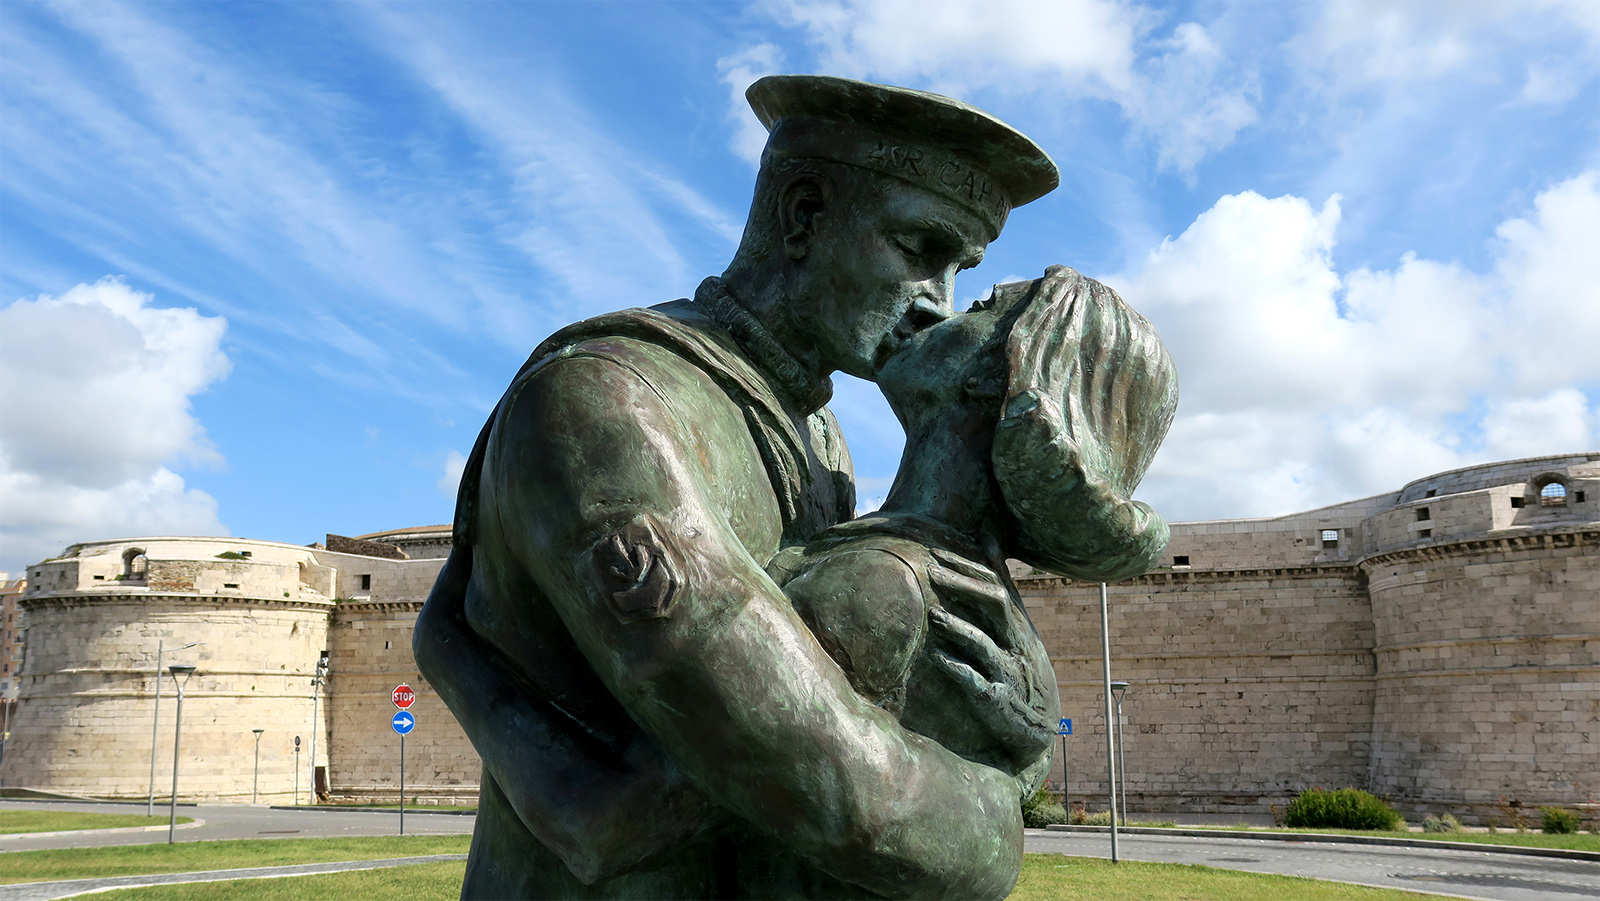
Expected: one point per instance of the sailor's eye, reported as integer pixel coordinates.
(909, 244)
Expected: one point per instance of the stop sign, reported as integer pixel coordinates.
(403, 696)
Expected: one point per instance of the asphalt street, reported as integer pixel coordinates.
(1469, 874)
(236, 821)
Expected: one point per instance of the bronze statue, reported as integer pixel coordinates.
(657, 716)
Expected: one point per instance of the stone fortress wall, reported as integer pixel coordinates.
(1439, 644)
(263, 614)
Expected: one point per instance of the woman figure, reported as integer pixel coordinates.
(1029, 420)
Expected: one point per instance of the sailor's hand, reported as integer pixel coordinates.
(992, 682)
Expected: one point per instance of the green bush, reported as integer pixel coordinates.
(1444, 823)
(1346, 808)
(1042, 809)
(1098, 818)
(1557, 821)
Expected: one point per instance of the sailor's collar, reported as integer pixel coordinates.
(808, 392)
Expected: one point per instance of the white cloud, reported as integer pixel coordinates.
(1182, 91)
(739, 71)
(1551, 272)
(1551, 81)
(94, 402)
(454, 464)
(1303, 387)
(1527, 428)
(1352, 45)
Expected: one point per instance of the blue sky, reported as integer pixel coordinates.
(265, 268)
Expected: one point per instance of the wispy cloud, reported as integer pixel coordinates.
(739, 71)
(1182, 91)
(597, 217)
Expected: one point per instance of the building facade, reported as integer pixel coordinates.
(1439, 644)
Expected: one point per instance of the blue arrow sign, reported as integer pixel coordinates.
(1064, 727)
(403, 722)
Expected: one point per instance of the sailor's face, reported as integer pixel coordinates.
(884, 267)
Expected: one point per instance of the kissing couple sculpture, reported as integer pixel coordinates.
(690, 671)
(1029, 420)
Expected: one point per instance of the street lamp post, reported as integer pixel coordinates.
(317, 681)
(1111, 747)
(296, 801)
(255, 785)
(186, 670)
(1118, 689)
(155, 726)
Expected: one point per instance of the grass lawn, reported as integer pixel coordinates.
(14, 821)
(1045, 877)
(132, 860)
(1052, 877)
(1576, 842)
(421, 882)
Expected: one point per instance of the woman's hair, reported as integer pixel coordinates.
(1090, 393)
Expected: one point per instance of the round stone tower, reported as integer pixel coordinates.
(1485, 588)
(257, 613)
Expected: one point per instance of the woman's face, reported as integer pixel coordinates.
(935, 368)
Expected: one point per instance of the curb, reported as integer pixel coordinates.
(340, 809)
(1329, 838)
(194, 823)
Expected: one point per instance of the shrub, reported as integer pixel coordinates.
(1042, 809)
(1346, 808)
(1557, 821)
(1444, 823)
(1098, 818)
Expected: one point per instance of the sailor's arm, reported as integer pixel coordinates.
(605, 495)
(603, 812)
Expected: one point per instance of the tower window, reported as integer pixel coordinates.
(1422, 514)
(1424, 533)
(1517, 502)
(1180, 560)
(1553, 494)
(1431, 492)
(366, 582)
(1330, 538)
(134, 564)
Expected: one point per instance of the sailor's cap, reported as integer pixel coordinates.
(948, 147)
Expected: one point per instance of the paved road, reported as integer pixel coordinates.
(236, 821)
(1469, 874)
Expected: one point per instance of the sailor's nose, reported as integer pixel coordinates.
(925, 312)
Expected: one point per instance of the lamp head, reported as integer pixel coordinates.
(1118, 689)
(258, 731)
(183, 669)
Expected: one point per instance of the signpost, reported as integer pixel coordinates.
(1064, 729)
(403, 723)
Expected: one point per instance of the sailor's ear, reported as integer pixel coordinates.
(802, 205)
